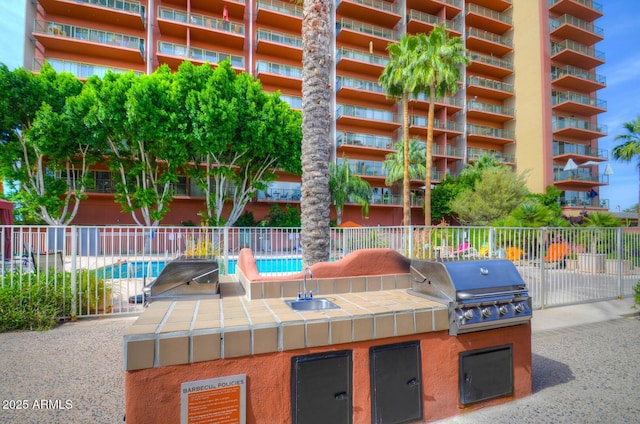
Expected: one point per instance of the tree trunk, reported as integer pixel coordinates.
(406, 205)
(429, 157)
(316, 123)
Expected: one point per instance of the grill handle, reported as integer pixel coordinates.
(462, 295)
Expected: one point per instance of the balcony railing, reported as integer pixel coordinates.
(564, 148)
(489, 108)
(359, 84)
(80, 69)
(577, 47)
(361, 56)
(448, 100)
(580, 175)
(491, 60)
(279, 37)
(572, 20)
(366, 113)
(490, 131)
(557, 72)
(279, 69)
(489, 83)
(281, 7)
(429, 19)
(368, 140)
(569, 96)
(365, 167)
(559, 122)
(589, 3)
(448, 150)
(203, 21)
(196, 53)
(293, 101)
(475, 154)
(490, 36)
(376, 4)
(447, 125)
(492, 14)
(124, 5)
(367, 29)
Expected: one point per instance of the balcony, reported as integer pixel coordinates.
(367, 117)
(294, 102)
(279, 75)
(129, 14)
(360, 89)
(350, 142)
(575, 78)
(474, 154)
(489, 65)
(487, 19)
(364, 168)
(582, 200)
(488, 42)
(422, 22)
(449, 151)
(174, 54)
(452, 103)
(360, 62)
(570, 27)
(576, 54)
(576, 103)
(485, 87)
(580, 153)
(80, 70)
(380, 12)
(587, 10)
(578, 178)
(484, 134)
(452, 8)
(203, 28)
(489, 112)
(360, 33)
(576, 128)
(279, 44)
(89, 42)
(279, 14)
(499, 5)
(418, 125)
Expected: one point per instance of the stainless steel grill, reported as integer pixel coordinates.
(480, 294)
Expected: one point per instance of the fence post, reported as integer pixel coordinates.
(409, 237)
(541, 254)
(74, 281)
(619, 261)
(225, 232)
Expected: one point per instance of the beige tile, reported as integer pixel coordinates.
(374, 283)
(264, 340)
(358, 284)
(404, 323)
(403, 281)
(388, 282)
(175, 326)
(272, 289)
(317, 334)
(256, 291)
(341, 331)
(362, 328)
(424, 321)
(173, 351)
(206, 347)
(207, 317)
(181, 315)
(292, 336)
(342, 285)
(441, 319)
(202, 324)
(290, 288)
(237, 343)
(184, 305)
(325, 286)
(140, 354)
(384, 326)
(142, 329)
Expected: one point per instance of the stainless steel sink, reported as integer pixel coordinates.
(313, 304)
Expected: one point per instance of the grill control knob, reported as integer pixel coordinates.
(520, 307)
(468, 314)
(503, 310)
(486, 312)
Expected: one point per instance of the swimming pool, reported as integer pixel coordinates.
(145, 269)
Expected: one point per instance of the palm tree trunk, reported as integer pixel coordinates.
(315, 198)
(406, 206)
(429, 159)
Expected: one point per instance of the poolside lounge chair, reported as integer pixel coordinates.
(514, 254)
(557, 254)
(464, 250)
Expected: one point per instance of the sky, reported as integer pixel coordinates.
(622, 71)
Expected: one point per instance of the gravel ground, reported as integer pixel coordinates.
(584, 374)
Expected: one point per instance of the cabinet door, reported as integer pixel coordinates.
(396, 383)
(321, 388)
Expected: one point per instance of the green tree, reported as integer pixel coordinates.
(399, 81)
(47, 149)
(441, 59)
(317, 32)
(497, 193)
(346, 187)
(630, 149)
(394, 162)
(241, 135)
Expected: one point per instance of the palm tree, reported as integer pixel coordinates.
(315, 199)
(398, 81)
(440, 59)
(394, 162)
(346, 187)
(630, 149)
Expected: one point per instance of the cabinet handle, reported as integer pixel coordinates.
(341, 396)
(413, 382)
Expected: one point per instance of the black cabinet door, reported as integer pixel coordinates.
(396, 383)
(321, 388)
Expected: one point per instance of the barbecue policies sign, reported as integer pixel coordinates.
(220, 400)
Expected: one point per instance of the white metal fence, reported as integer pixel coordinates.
(101, 268)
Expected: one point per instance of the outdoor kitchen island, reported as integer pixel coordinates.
(384, 355)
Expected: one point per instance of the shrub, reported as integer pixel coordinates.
(636, 289)
(94, 293)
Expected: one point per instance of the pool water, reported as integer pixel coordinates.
(146, 269)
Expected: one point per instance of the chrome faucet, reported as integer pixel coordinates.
(304, 295)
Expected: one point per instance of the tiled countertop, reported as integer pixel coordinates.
(182, 332)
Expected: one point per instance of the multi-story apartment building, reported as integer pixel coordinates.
(529, 94)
